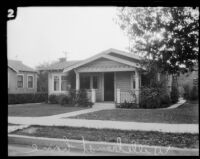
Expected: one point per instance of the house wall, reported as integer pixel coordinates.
(12, 82)
(123, 82)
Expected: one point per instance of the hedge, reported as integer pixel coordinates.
(27, 98)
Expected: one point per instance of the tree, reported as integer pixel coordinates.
(166, 36)
(42, 81)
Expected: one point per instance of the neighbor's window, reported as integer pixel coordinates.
(85, 82)
(56, 83)
(30, 81)
(20, 81)
(95, 82)
(64, 83)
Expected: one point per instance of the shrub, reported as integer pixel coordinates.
(186, 91)
(53, 99)
(83, 99)
(63, 99)
(150, 97)
(126, 104)
(79, 98)
(174, 94)
(27, 98)
(165, 100)
(194, 93)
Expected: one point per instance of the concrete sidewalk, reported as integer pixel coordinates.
(103, 124)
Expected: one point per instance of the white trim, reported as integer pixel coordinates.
(20, 74)
(52, 83)
(13, 69)
(115, 86)
(33, 80)
(103, 86)
(101, 55)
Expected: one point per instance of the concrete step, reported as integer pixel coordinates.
(104, 105)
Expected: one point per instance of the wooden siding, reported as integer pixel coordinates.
(123, 82)
(104, 65)
(12, 82)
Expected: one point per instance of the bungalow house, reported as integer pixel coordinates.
(21, 78)
(107, 76)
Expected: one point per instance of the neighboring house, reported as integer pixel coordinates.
(107, 76)
(190, 78)
(21, 78)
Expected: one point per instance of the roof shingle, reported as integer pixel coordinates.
(59, 65)
(19, 66)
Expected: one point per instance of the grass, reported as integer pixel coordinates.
(36, 110)
(181, 140)
(187, 114)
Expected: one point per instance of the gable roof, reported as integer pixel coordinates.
(19, 66)
(105, 54)
(59, 65)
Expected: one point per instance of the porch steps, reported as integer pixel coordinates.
(104, 105)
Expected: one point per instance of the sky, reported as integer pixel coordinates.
(43, 34)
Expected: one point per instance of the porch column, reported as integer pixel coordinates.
(93, 95)
(137, 86)
(118, 95)
(77, 80)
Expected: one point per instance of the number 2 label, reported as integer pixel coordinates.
(10, 13)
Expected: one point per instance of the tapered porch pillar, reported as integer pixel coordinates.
(77, 80)
(137, 86)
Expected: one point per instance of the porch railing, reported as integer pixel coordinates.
(128, 96)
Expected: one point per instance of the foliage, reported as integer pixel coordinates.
(168, 36)
(27, 98)
(154, 95)
(127, 105)
(190, 94)
(53, 99)
(63, 99)
(194, 93)
(165, 99)
(79, 98)
(174, 94)
(42, 81)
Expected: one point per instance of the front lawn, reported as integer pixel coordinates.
(36, 110)
(187, 113)
(182, 140)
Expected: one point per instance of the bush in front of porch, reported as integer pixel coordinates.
(75, 98)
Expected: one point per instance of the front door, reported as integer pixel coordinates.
(109, 86)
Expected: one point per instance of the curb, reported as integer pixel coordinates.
(65, 144)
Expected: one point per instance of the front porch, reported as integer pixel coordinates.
(116, 87)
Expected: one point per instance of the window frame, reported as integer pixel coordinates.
(30, 75)
(58, 82)
(61, 82)
(22, 81)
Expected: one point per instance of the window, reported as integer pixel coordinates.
(64, 83)
(95, 82)
(85, 82)
(30, 81)
(56, 83)
(20, 81)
